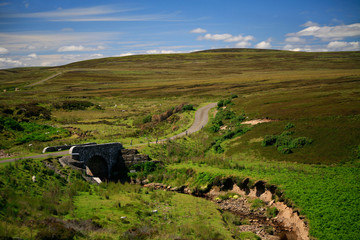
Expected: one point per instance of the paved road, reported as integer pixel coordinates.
(201, 119)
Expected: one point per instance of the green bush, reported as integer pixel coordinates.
(283, 141)
(147, 119)
(33, 111)
(220, 104)
(233, 96)
(289, 126)
(284, 150)
(269, 140)
(256, 203)
(188, 107)
(73, 105)
(10, 124)
(300, 142)
(272, 212)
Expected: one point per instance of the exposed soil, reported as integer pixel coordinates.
(287, 225)
(257, 121)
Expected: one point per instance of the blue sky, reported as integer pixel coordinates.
(49, 33)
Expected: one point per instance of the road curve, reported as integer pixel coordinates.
(201, 119)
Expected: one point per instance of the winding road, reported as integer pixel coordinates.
(201, 119)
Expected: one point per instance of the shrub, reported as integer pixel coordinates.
(300, 142)
(32, 110)
(147, 119)
(10, 124)
(188, 107)
(220, 104)
(233, 96)
(283, 141)
(289, 126)
(269, 140)
(272, 212)
(284, 150)
(257, 203)
(73, 105)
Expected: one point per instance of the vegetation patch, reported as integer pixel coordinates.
(13, 132)
(73, 105)
(284, 142)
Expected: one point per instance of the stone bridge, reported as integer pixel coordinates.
(105, 161)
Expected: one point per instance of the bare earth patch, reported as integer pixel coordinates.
(257, 121)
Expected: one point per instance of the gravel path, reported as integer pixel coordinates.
(201, 119)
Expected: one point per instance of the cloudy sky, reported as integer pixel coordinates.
(49, 33)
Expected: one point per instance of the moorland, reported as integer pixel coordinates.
(309, 148)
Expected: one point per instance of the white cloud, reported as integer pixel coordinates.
(72, 12)
(263, 45)
(3, 50)
(33, 55)
(295, 40)
(92, 14)
(310, 24)
(9, 63)
(215, 37)
(79, 48)
(330, 33)
(20, 43)
(242, 41)
(344, 46)
(126, 54)
(243, 44)
(240, 38)
(97, 55)
(160, 51)
(198, 30)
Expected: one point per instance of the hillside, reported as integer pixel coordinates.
(309, 147)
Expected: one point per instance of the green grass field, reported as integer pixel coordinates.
(318, 94)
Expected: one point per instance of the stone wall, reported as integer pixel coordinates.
(132, 156)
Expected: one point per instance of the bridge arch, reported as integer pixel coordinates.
(97, 166)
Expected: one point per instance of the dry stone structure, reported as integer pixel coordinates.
(105, 161)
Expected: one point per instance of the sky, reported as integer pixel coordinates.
(52, 33)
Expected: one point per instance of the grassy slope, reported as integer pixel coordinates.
(318, 92)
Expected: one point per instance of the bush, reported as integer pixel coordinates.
(257, 203)
(188, 107)
(56, 230)
(73, 105)
(300, 142)
(10, 124)
(220, 103)
(284, 150)
(283, 141)
(233, 96)
(32, 110)
(272, 212)
(269, 140)
(147, 119)
(289, 126)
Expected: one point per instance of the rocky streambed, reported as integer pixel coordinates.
(254, 207)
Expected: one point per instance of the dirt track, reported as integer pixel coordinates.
(201, 119)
